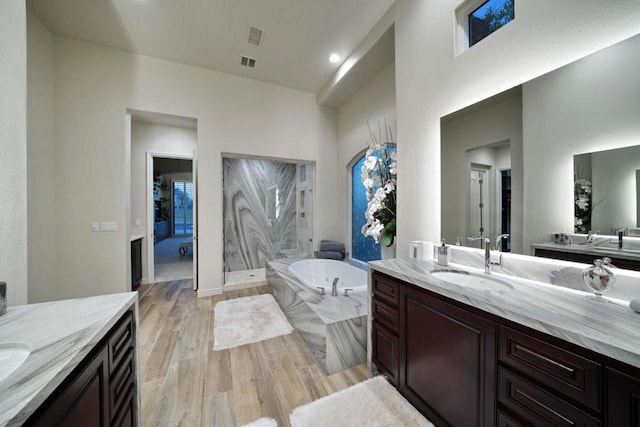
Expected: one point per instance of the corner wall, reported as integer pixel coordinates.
(374, 103)
(13, 149)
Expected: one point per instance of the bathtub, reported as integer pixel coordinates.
(314, 273)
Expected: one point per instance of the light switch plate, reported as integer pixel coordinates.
(95, 226)
(109, 226)
(138, 222)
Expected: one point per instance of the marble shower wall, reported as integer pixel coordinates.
(259, 212)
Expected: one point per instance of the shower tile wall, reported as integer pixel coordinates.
(255, 229)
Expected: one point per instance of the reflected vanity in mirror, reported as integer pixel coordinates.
(589, 106)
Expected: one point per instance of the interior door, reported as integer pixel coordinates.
(194, 166)
(150, 238)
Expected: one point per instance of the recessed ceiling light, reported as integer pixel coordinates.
(334, 58)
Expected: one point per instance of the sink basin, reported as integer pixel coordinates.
(12, 356)
(482, 282)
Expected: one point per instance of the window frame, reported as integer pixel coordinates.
(461, 25)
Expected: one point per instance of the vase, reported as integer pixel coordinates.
(598, 277)
(388, 252)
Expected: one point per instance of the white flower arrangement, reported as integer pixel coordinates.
(379, 177)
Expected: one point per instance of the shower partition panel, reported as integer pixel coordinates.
(267, 212)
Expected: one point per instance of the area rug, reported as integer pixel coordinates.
(372, 403)
(263, 422)
(248, 320)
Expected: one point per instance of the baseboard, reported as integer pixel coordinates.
(144, 281)
(201, 293)
(245, 285)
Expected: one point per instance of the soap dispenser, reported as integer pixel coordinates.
(443, 254)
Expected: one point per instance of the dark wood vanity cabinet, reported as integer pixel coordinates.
(102, 390)
(447, 360)
(627, 264)
(460, 366)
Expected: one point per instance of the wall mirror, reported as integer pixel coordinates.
(589, 110)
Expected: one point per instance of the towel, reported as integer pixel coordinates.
(331, 246)
(329, 255)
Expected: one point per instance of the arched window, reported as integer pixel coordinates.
(362, 248)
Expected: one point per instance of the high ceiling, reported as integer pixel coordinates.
(298, 35)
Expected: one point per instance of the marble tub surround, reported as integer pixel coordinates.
(606, 328)
(59, 334)
(334, 328)
(566, 274)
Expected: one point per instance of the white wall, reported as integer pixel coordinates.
(95, 86)
(152, 138)
(431, 82)
(374, 103)
(13, 149)
(495, 122)
(575, 110)
(40, 163)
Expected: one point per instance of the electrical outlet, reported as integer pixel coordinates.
(95, 226)
(108, 226)
(138, 223)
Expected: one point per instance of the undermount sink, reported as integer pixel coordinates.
(12, 356)
(482, 282)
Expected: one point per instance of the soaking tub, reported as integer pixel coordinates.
(320, 273)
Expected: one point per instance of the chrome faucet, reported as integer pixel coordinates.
(498, 244)
(487, 252)
(3, 298)
(620, 237)
(334, 287)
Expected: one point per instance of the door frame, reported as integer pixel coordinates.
(150, 155)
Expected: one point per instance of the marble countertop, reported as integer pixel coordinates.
(608, 328)
(599, 250)
(136, 236)
(60, 334)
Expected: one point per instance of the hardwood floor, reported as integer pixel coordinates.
(185, 382)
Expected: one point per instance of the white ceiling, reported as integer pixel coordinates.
(299, 35)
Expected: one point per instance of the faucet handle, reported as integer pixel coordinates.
(321, 289)
(346, 291)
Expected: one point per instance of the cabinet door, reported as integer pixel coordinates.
(84, 402)
(136, 263)
(448, 360)
(385, 352)
(623, 399)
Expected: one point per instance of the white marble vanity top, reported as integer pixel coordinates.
(598, 251)
(59, 334)
(608, 328)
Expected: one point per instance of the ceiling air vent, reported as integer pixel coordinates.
(248, 62)
(255, 35)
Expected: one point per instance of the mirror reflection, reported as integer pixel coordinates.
(589, 110)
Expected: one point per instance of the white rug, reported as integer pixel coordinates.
(263, 422)
(247, 320)
(372, 403)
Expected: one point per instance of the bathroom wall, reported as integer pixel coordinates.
(40, 163)
(13, 149)
(431, 82)
(257, 226)
(374, 103)
(94, 88)
(154, 138)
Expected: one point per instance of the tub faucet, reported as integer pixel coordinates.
(3, 298)
(620, 237)
(334, 287)
(498, 244)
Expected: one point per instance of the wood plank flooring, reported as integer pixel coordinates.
(185, 382)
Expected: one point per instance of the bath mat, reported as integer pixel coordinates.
(263, 422)
(247, 320)
(372, 403)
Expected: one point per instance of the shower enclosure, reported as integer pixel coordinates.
(268, 214)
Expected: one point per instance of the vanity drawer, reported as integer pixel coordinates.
(537, 406)
(558, 368)
(121, 341)
(121, 381)
(386, 289)
(386, 315)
